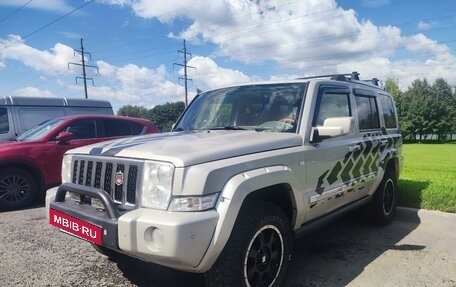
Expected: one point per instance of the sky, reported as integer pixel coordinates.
(134, 49)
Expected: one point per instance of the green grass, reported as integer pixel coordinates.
(428, 179)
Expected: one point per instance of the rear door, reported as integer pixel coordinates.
(371, 138)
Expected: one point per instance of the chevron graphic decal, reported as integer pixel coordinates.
(361, 162)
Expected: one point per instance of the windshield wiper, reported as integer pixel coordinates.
(230, 128)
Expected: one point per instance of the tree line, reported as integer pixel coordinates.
(162, 116)
(426, 111)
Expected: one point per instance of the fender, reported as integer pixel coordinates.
(233, 195)
(389, 153)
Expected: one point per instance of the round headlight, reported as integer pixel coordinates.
(165, 174)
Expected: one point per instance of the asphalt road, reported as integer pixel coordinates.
(417, 249)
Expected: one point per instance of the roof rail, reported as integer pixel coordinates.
(334, 76)
(353, 76)
(373, 81)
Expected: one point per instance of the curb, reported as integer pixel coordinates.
(424, 215)
(425, 211)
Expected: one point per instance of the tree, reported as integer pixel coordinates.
(392, 86)
(133, 111)
(442, 107)
(164, 116)
(417, 108)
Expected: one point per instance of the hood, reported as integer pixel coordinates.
(194, 147)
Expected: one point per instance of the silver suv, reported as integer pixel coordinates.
(245, 170)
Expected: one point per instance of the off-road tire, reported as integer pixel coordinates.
(18, 189)
(258, 251)
(382, 208)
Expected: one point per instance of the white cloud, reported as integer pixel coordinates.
(423, 25)
(297, 34)
(128, 84)
(33, 92)
(419, 43)
(131, 84)
(213, 76)
(311, 36)
(54, 61)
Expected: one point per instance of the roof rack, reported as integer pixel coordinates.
(353, 76)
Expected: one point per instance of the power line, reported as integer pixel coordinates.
(47, 25)
(14, 12)
(185, 78)
(83, 65)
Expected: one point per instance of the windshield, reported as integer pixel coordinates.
(272, 107)
(39, 131)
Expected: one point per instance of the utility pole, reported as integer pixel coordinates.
(185, 78)
(84, 65)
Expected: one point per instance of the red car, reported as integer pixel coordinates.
(31, 163)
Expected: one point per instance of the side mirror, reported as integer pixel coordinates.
(332, 127)
(64, 136)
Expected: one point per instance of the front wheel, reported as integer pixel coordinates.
(258, 251)
(18, 189)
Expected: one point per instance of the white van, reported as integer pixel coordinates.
(18, 114)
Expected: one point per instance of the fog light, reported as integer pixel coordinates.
(154, 239)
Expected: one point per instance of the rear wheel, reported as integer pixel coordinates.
(383, 206)
(18, 189)
(258, 251)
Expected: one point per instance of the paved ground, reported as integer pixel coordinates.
(417, 249)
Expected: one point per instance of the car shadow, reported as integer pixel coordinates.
(148, 274)
(337, 253)
(332, 255)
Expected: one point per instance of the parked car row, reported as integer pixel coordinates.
(31, 162)
(18, 114)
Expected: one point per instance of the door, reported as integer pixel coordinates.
(84, 133)
(329, 163)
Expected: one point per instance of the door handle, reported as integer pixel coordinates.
(355, 147)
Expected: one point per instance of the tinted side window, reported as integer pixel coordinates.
(332, 105)
(117, 128)
(83, 129)
(4, 124)
(388, 111)
(136, 129)
(367, 112)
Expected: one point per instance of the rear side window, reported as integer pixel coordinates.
(117, 128)
(367, 113)
(136, 129)
(4, 124)
(83, 129)
(389, 115)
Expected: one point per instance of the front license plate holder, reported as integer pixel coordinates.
(76, 227)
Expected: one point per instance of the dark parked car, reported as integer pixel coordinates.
(31, 163)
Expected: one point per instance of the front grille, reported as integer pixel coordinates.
(117, 177)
